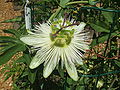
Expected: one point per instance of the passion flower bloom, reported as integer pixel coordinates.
(60, 42)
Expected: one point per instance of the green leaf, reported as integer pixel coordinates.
(84, 66)
(17, 19)
(63, 2)
(6, 48)
(68, 88)
(22, 27)
(19, 60)
(117, 62)
(15, 87)
(102, 39)
(12, 31)
(70, 81)
(80, 88)
(98, 28)
(6, 56)
(94, 42)
(32, 75)
(61, 72)
(25, 73)
(7, 76)
(108, 16)
(8, 38)
(27, 58)
(92, 2)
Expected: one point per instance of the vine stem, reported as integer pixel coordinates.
(76, 2)
(60, 8)
(55, 14)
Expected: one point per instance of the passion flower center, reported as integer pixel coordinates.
(61, 40)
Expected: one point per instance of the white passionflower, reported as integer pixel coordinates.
(58, 42)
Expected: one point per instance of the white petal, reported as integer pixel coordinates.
(51, 64)
(79, 43)
(62, 57)
(80, 27)
(30, 39)
(74, 54)
(43, 28)
(71, 69)
(36, 61)
(40, 57)
(34, 40)
(82, 47)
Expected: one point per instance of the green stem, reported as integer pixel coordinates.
(76, 2)
(55, 14)
(59, 8)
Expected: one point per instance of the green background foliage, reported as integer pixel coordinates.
(99, 72)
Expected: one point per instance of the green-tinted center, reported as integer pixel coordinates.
(60, 36)
(61, 40)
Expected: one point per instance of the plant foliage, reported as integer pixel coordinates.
(101, 69)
